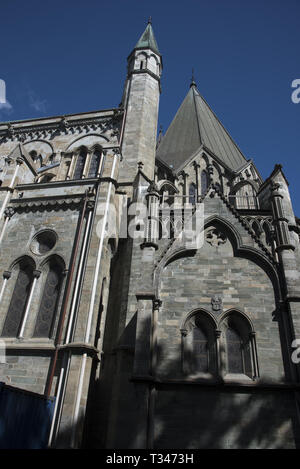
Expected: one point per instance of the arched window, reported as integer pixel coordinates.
(80, 164)
(268, 234)
(246, 197)
(240, 358)
(200, 349)
(234, 349)
(50, 299)
(199, 345)
(192, 193)
(204, 182)
(19, 299)
(95, 162)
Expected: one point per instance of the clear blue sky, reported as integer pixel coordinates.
(65, 56)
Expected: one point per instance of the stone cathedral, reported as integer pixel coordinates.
(145, 340)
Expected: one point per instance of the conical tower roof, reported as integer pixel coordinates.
(147, 40)
(195, 125)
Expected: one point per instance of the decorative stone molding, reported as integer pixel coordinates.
(6, 275)
(48, 205)
(9, 212)
(215, 237)
(68, 126)
(157, 303)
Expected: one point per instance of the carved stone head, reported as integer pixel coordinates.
(216, 303)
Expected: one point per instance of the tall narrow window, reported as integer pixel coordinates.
(246, 197)
(199, 345)
(95, 162)
(49, 302)
(204, 182)
(192, 194)
(19, 300)
(200, 350)
(80, 164)
(240, 355)
(234, 351)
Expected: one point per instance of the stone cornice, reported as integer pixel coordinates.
(52, 127)
(49, 204)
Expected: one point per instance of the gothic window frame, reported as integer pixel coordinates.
(21, 264)
(236, 320)
(57, 262)
(81, 153)
(244, 196)
(204, 181)
(99, 166)
(192, 193)
(203, 320)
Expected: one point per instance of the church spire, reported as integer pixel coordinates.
(147, 39)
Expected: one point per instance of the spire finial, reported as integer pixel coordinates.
(193, 83)
(150, 20)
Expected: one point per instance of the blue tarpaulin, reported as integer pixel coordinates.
(25, 418)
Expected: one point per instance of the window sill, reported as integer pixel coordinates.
(237, 378)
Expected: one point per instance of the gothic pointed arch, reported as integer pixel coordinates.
(238, 347)
(53, 271)
(199, 354)
(22, 274)
(95, 161)
(80, 162)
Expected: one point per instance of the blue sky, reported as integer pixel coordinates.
(65, 56)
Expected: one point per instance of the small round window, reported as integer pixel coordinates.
(43, 242)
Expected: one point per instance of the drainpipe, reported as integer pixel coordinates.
(11, 185)
(66, 298)
(36, 274)
(91, 308)
(62, 371)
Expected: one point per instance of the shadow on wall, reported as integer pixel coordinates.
(186, 416)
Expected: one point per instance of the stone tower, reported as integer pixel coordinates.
(140, 101)
(144, 338)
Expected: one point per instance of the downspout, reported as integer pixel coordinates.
(10, 187)
(91, 308)
(64, 372)
(66, 299)
(54, 362)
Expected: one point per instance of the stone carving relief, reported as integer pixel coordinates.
(215, 237)
(217, 304)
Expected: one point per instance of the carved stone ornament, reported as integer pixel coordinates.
(217, 304)
(9, 212)
(215, 237)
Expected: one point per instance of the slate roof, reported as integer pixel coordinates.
(195, 125)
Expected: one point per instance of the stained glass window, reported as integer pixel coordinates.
(200, 350)
(95, 161)
(234, 351)
(18, 301)
(204, 182)
(80, 164)
(49, 303)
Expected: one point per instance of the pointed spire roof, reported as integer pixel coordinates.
(194, 126)
(147, 39)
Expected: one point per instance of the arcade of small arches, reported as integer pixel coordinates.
(192, 188)
(219, 345)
